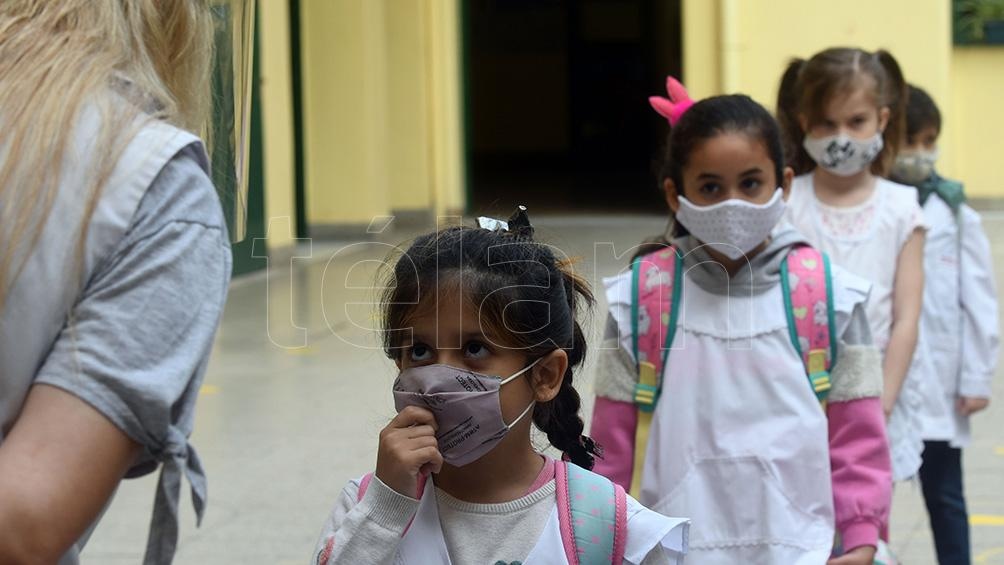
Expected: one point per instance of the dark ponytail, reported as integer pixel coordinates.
(896, 96)
(559, 418)
(787, 118)
(515, 283)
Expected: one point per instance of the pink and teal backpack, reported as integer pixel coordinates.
(806, 284)
(592, 514)
(808, 301)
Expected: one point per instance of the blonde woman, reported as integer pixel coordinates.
(114, 264)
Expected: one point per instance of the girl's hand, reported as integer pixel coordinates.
(408, 449)
(888, 403)
(863, 555)
(969, 405)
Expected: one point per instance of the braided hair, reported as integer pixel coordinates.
(523, 291)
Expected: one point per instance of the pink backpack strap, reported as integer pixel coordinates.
(806, 283)
(653, 317)
(656, 283)
(592, 516)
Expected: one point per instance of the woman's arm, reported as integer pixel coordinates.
(908, 294)
(59, 467)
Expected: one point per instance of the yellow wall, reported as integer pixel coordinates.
(277, 122)
(383, 116)
(382, 111)
(408, 142)
(976, 119)
(744, 45)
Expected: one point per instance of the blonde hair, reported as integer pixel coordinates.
(58, 56)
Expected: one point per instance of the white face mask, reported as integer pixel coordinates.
(914, 167)
(733, 227)
(842, 154)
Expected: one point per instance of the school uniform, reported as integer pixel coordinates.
(866, 240)
(738, 441)
(387, 527)
(960, 327)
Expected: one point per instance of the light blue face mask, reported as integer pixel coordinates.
(733, 227)
(914, 167)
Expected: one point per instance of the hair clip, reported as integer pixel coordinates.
(484, 222)
(676, 105)
(518, 223)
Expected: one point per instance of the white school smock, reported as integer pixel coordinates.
(739, 442)
(959, 321)
(144, 310)
(866, 240)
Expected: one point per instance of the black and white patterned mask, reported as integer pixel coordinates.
(842, 154)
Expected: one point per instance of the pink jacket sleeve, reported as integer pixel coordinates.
(861, 470)
(613, 427)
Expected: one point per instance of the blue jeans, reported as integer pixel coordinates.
(941, 481)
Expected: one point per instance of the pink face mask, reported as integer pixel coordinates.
(466, 406)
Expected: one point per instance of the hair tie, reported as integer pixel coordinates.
(676, 105)
(518, 224)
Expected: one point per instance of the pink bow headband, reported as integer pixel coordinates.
(676, 105)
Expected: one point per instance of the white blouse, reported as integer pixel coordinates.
(865, 239)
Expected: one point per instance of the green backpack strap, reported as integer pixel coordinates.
(807, 286)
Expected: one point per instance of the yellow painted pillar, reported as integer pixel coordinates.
(277, 122)
(446, 107)
(382, 108)
(701, 48)
(974, 120)
(408, 105)
(345, 111)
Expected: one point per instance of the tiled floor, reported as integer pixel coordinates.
(297, 390)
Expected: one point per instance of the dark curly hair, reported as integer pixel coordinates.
(525, 295)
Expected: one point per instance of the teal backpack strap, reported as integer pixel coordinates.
(592, 516)
(806, 284)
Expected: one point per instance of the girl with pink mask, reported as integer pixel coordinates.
(481, 323)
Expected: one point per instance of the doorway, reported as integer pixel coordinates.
(557, 114)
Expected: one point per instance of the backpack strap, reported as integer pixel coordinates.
(806, 283)
(592, 516)
(654, 296)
